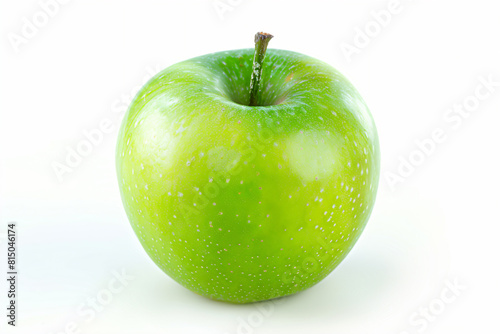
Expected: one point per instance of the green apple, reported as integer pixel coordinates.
(245, 194)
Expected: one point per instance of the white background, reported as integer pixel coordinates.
(438, 226)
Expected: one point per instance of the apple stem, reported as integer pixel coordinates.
(261, 41)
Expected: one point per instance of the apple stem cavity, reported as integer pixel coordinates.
(261, 41)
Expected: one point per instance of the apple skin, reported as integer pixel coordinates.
(240, 203)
